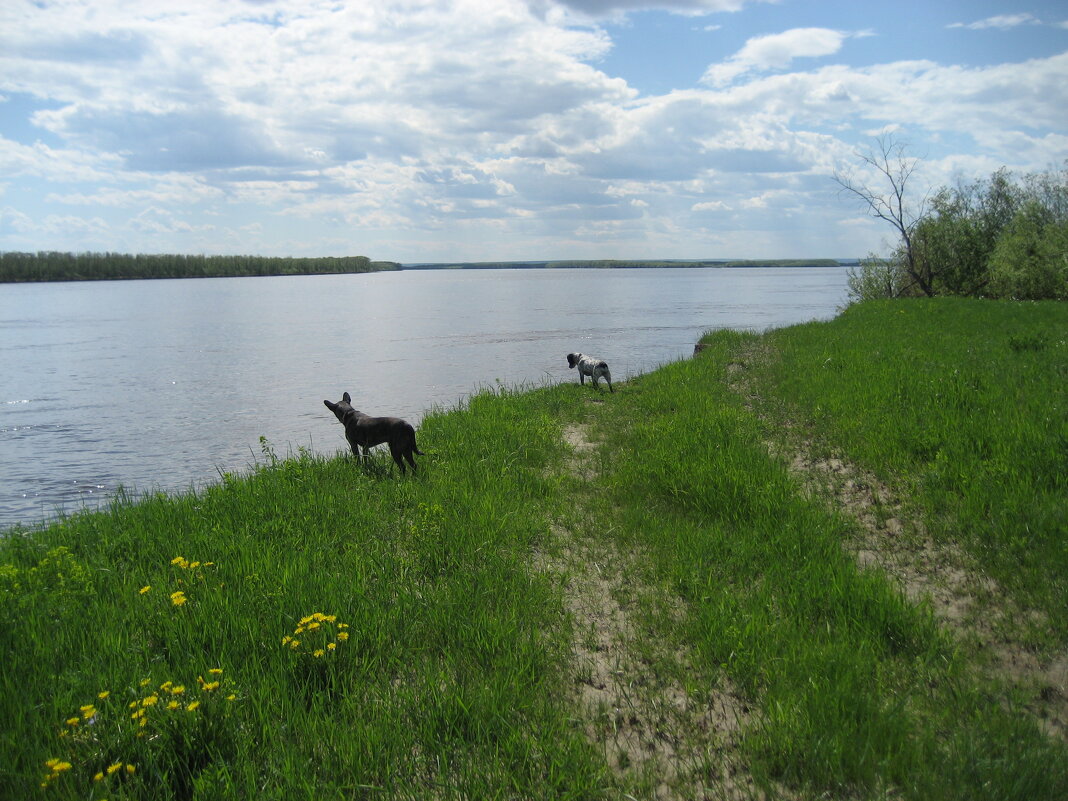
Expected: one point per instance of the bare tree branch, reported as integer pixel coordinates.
(891, 204)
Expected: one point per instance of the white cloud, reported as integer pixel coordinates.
(606, 8)
(1002, 22)
(776, 51)
(423, 129)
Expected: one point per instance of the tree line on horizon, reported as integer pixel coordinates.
(1005, 236)
(612, 264)
(17, 267)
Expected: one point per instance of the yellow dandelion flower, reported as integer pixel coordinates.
(150, 700)
(286, 639)
(342, 625)
(342, 635)
(178, 598)
(209, 564)
(330, 618)
(294, 643)
(331, 646)
(113, 768)
(231, 697)
(131, 705)
(145, 682)
(179, 560)
(142, 722)
(173, 705)
(192, 706)
(130, 768)
(145, 589)
(103, 695)
(140, 713)
(87, 711)
(166, 686)
(178, 689)
(51, 763)
(215, 671)
(194, 565)
(210, 685)
(314, 625)
(299, 630)
(60, 767)
(318, 652)
(73, 721)
(99, 777)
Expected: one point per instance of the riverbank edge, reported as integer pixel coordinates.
(293, 466)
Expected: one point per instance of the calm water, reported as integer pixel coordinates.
(162, 384)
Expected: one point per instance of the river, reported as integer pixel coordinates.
(161, 385)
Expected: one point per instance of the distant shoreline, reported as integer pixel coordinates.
(610, 264)
(51, 266)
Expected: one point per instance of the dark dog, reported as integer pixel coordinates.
(589, 366)
(365, 432)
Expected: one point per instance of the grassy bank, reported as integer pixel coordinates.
(317, 628)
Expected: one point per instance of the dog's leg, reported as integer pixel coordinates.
(396, 451)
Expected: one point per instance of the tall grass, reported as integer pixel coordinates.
(858, 690)
(371, 635)
(963, 404)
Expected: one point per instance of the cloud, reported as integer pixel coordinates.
(1002, 22)
(608, 8)
(776, 52)
(424, 129)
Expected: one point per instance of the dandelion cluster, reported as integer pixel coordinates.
(317, 635)
(102, 729)
(171, 698)
(56, 768)
(84, 732)
(188, 571)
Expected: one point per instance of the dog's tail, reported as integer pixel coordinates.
(415, 445)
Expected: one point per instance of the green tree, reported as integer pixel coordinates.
(1030, 261)
(957, 238)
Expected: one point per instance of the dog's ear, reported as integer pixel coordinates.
(346, 398)
(571, 360)
(329, 405)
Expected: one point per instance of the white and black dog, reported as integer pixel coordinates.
(589, 366)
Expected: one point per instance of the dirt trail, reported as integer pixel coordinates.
(964, 599)
(659, 740)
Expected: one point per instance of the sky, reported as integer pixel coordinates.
(501, 130)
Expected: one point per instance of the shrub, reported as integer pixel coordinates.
(1030, 261)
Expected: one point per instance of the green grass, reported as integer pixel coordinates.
(455, 677)
(858, 689)
(963, 405)
(447, 685)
